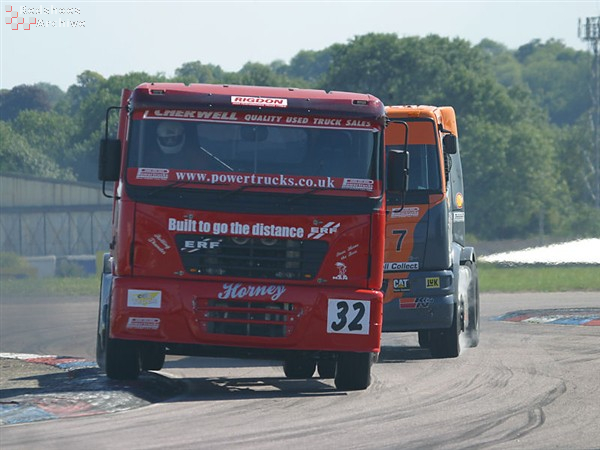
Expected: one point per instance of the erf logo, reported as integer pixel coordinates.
(14, 20)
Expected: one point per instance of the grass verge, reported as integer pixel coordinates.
(52, 287)
(538, 278)
(492, 278)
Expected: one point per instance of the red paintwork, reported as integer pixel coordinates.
(146, 256)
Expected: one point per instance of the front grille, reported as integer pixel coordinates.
(246, 318)
(243, 257)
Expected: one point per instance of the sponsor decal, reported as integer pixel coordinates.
(144, 299)
(358, 184)
(258, 101)
(239, 290)
(143, 323)
(156, 177)
(342, 271)
(319, 232)
(159, 243)
(405, 212)
(192, 246)
(400, 266)
(458, 217)
(347, 253)
(236, 228)
(416, 303)
(187, 114)
(432, 282)
(256, 118)
(459, 200)
(401, 284)
(146, 173)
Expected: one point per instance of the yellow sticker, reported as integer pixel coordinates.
(433, 282)
(459, 200)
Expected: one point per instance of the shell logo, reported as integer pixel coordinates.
(459, 200)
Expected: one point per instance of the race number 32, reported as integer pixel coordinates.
(348, 316)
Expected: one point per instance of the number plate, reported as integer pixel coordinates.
(348, 316)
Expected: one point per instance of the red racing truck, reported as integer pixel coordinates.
(247, 222)
(430, 274)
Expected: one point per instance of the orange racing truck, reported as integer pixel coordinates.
(247, 222)
(430, 274)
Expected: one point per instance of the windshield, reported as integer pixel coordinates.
(250, 148)
(424, 164)
(423, 171)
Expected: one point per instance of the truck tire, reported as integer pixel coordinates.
(472, 322)
(445, 343)
(327, 368)
(353, 371)
(152, 355)
(120, 360)
(299, 367)
(424, 339)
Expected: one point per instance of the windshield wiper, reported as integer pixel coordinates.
(176, 184)
(224, 164)
(312, 191)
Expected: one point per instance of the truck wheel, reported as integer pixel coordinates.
(353, 371)
(122, 360)
(472, 323)
(446, 343)
(327, 368)
(152, 356)
(119, 359)
(298, 368)
(424, 339)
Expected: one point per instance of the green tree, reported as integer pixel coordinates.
(21, 98)
(16, 156)
(257, 74)
(196, 72)
(49, 132)
(558, 77)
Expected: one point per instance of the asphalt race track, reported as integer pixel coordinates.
(533, 383)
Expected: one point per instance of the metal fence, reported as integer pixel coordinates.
(65, 230)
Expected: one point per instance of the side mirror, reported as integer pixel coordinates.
(109, 161)
(397, 170)
(450, 143)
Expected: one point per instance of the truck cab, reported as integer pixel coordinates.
(248, 222)
(430, 274)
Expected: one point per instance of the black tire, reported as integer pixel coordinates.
(424, 339)
(101, 330)
(152, 356)
(122, 360)
(119, 359)
(327, 368)
(298, 368)
(353, 371)
(445, 343)
(473, 316)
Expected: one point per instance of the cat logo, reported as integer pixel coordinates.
(432, 283)
(401, 284)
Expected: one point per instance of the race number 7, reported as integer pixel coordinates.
(348, 316)
(401, 234)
